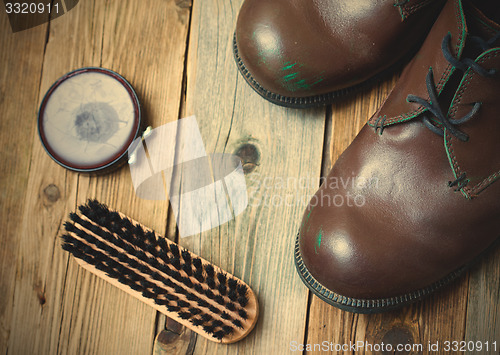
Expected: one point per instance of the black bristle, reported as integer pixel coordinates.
(151, 238)
(209, 269)
(222, 289)
(219, 334)
(191, 297)
(184, 315)
(158, 290)
(167, 282)
(122, 279)
(237, 323)
(175, 261)
(114, 217)
(163, 256)
(182, 304)
(232, 283)
(173, 309)
(197, 321)
(171, 297)
(156, 276)
(194, 311)
(134, 286)
(243, 301)
(209, 329)
(151, 249)
(231, 306)
(243, 314)
(175, 250)
(186, 256)
(219, 299)
(217, 323)
(199, 276)
(206, 317)
(187, 269)
(242, 290)
(187, 281)
(175, 275)
(163, 244)
(222, 278)
(203, 303)
(198, 288)
(209, 294)
(100, 266)
(227, 329)
(101, 220)
(139, 232)
(225, 315)
(145, 284)
(214, 309)
(197, 263)
(143, 268)
(211, 283)
(148, 294)
(161, 302)
(179, 290)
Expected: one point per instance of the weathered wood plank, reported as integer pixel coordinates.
(483, 306)
(145, 42)
(21, 58)
(286, 144)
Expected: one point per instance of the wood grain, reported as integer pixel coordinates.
(80, 314)
(483, 311)
(257, 245)
(21, 57)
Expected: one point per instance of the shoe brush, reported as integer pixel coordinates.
(169, 278)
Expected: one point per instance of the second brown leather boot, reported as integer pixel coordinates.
(301, 53)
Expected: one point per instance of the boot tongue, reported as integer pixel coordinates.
(413, 78)
(480, 30)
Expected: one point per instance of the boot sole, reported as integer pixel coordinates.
(368, 306)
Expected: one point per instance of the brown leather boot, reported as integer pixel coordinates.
(301, 53)
(414, 199)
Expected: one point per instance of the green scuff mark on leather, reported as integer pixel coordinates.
(317, 245)
(290, 76)
(288, 66)
(305, 220)
(309, 214)
(295, 81)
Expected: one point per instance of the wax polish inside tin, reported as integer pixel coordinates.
(88, 119)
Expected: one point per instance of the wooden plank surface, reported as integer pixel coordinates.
(257, 245)
(21, 58)
(48, 305)
(58, 308)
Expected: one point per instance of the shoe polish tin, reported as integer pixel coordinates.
(88, 120)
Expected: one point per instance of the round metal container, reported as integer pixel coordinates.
(88, 119)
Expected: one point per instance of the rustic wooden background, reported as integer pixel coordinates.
(177, 54)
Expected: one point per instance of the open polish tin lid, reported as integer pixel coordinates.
(88, 119)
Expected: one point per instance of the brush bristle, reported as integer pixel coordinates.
(160, 270)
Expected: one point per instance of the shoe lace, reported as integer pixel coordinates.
(433, 104)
